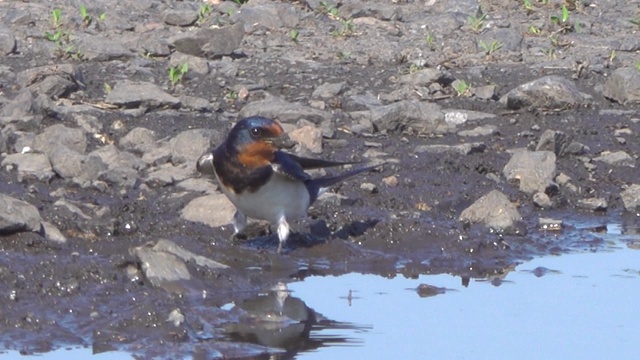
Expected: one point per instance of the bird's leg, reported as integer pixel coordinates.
(283, 232)
(239, 223)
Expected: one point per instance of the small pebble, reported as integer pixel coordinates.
(391, 181)
(369, 187)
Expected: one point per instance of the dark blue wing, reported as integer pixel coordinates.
(286, 164)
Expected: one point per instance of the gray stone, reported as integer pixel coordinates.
(210, 43)
(328, 90)
(8, 43)
(257, 15)
(197, 65)
(461, 149)
(52, 233)
(550, 92)
(594, 204)
(623, 86)
(308, 136)
(483, 130)
(36, 165)
(560, 143)
(276, 108)
(168, 174)
(17, 215)
(170, 247)
(71, 209)
(180, 17)
(153, 44)
(100, 48)
(422, 117)
(535, 170)
(189, 145)
(486, 92)
(494, 210)
(58, 135)
(129, 94)
(195, 103)
(631, 197)
(199, 185)
(617, 158)
(22, 111)
(214, 210)
(159, 267)
(509, 39)
(139, 140)
(66, 162)
(548, 224)
(542, 200)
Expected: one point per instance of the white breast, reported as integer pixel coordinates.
(280, 196)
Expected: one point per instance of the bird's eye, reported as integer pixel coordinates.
(256, 132)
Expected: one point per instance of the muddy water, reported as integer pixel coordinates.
(581, 305)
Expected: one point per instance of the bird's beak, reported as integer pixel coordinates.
(283, 142)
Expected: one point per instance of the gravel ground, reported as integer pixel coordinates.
(504, 127)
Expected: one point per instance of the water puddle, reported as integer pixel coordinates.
(581, 306)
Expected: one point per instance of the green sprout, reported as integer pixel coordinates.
(534, 30)
(461, 87)
(53, 37)
(528, 6)
(107, 88)
(204, 10)
(56, 14)
(637, 65)
(563, 18)
(177, 73)
(293, 34)
(476, 23)
(329, 10)
(492, 47)
(102, 16)
(231, 95)
(430, 41)
(86, 18)
(347, 28)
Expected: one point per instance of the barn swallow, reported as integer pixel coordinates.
(264, 182)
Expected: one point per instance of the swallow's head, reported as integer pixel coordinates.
(255, 140)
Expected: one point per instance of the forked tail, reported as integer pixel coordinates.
(317, 186)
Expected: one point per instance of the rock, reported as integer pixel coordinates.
(391, 181)
(170, 247)
(17, 215)
(130, 94)
(167, 174)
(486, 92)
(631, 197)
(484, 130)
(550, 92)
(458, 117)
(542, 200)
(494, 210)
(425, 77)
(56, 136)
(52, 233)
(462, 149)
(160, 267)
(623, 86)
(197, 65)
(534, 169)
(66, 163)
(618, 158)
(8, 43)
(210, 43)
(422, 117)
(180, 17)
(594, 204)
(328, 90)
(509, 39)
(100, 48)
(195, 103)
(22, 111)
(189, 145)
(257, 15)
(309, 136)
(197, 185)
(276, 108)
(30, 165)
(214, 210)
(369, 187)
(560, 144)
(54, 81)
(139, 140)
